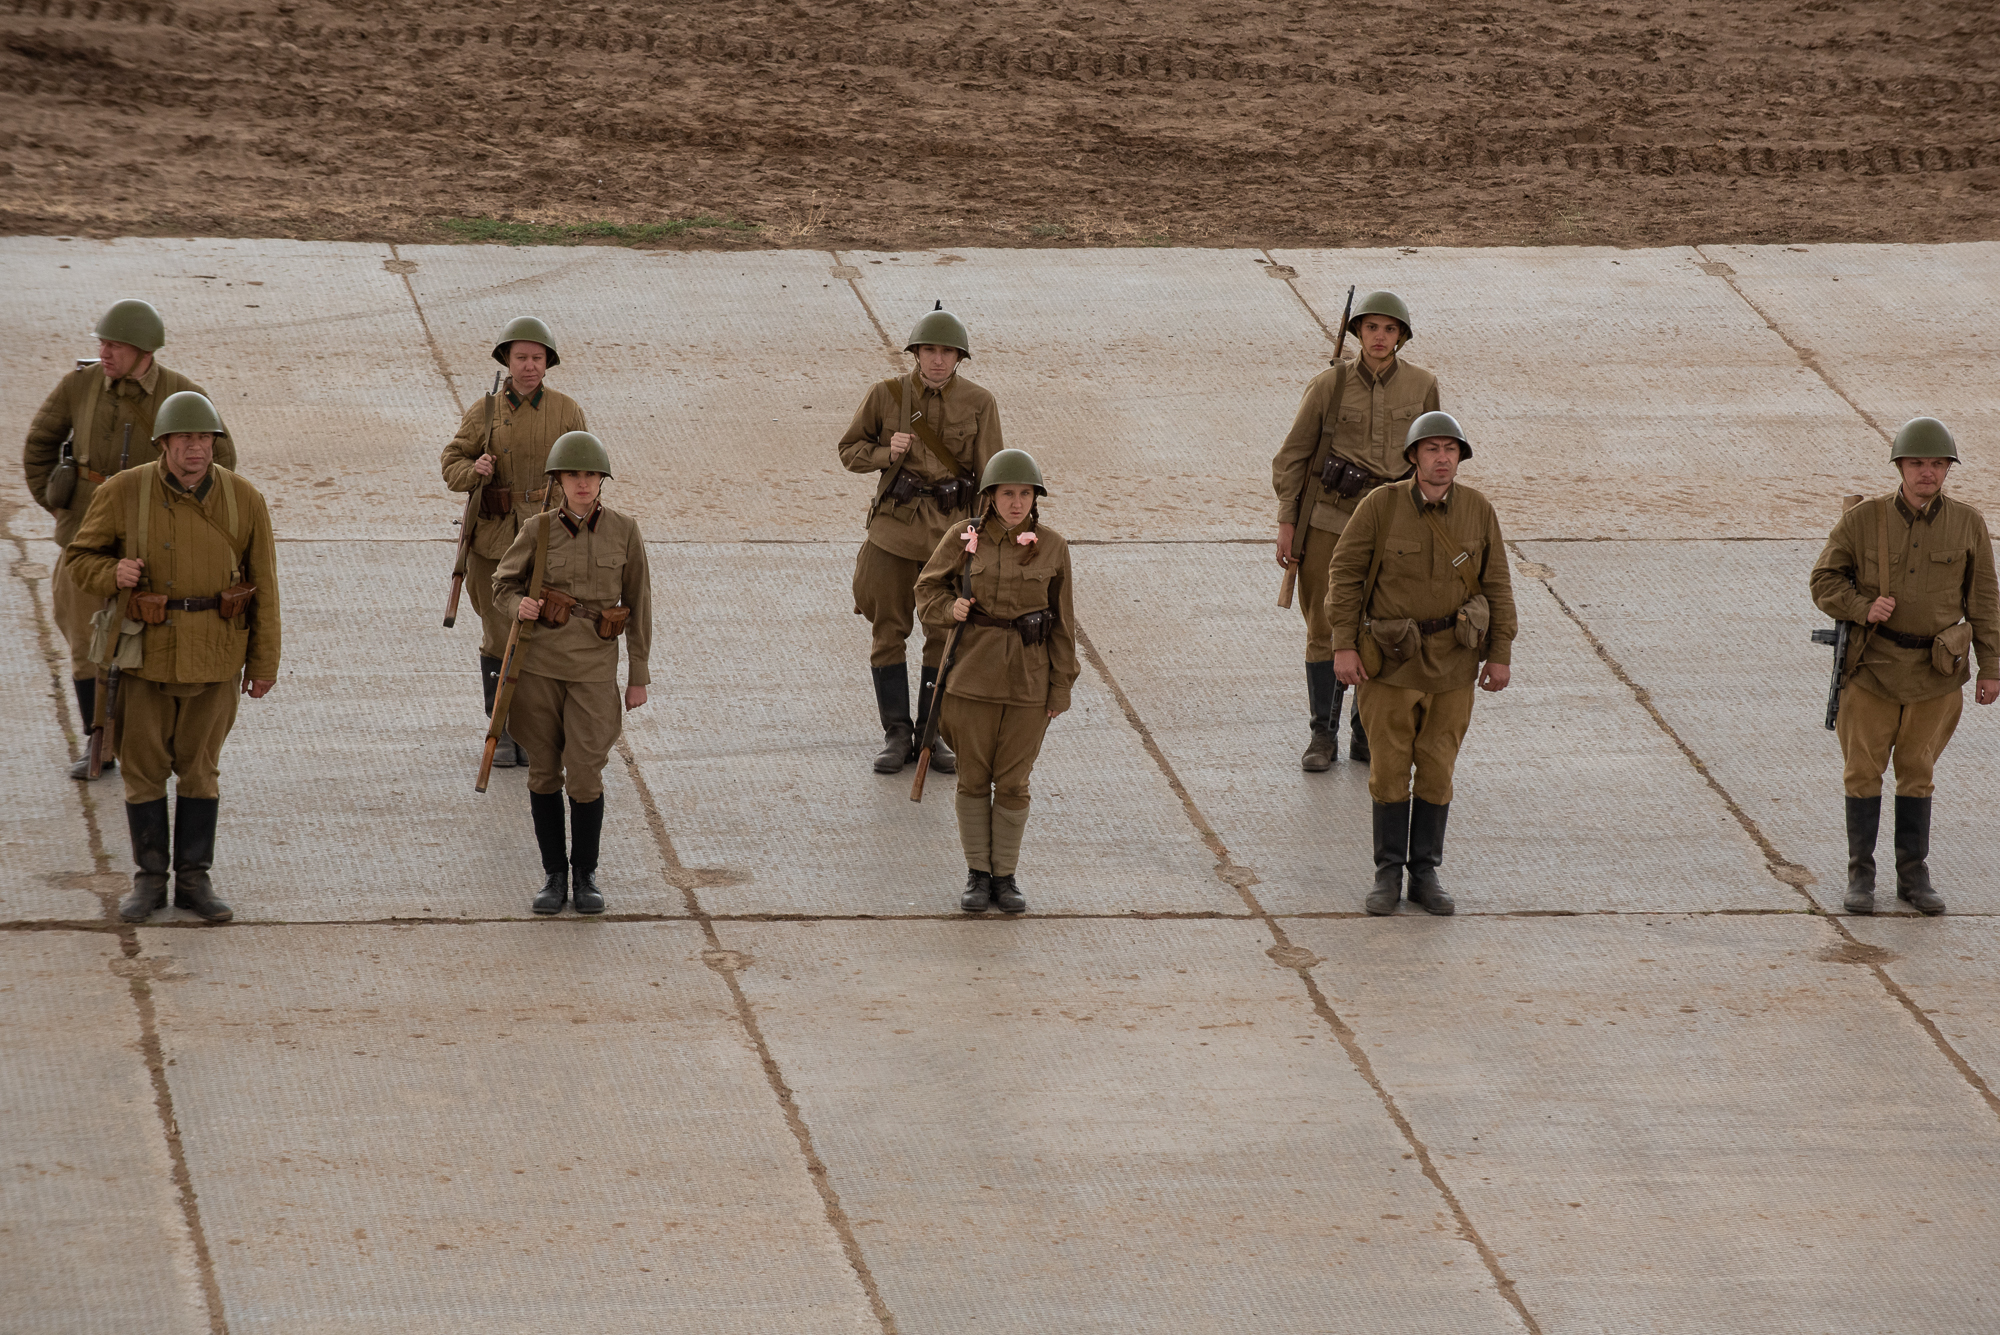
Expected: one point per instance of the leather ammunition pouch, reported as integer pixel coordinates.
(496, 502)
(1032, 627)
(1949, 646)
(1346, 480)
(952, 494)
(556, 607)
(611, 622)
(235, 600)
(150, 608)
(61, 486)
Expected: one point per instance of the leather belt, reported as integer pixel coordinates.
(981, 619)
(538, 495)
(1907, 641)
(1436, 624)
(92, 476)
(193, 604)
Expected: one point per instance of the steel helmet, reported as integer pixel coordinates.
(578, 452)
(1383, 303)
(1436, 424)
(942, 328)
(1012, 466)
(1924, 438)
(135, 322)
(526, 329)
(187, 411)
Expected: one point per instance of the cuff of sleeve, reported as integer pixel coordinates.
(1058, 698)
(1501, 653)
(636, 674)
(1288, 513)
(1344, 637)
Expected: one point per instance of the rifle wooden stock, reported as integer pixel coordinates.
(928, 741)
(486, 765)
(1300, 524)
(468, 520)
(1286, 585)
(451, 603)
(104, 722)
(923, 769)
(503, 700)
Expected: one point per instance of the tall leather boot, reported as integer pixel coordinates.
(150, 839)
(86, 704)
(194, 854)
(892, 702)
(1323, 691)
(586, 827)
(1426, 852)
(1864, 819)
(1008, 826)
(975, 836)
(1392, 851)
(547, 809)
(942, 760)
(1913, 851)
(1357, 739)
(506, 755)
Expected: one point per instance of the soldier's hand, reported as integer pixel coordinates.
(962, 609)
(635, 696)
(899, 445)
(1347, 667)
(129, 571)
(531, 609)
(1881, 609)
(483, 465)
(257, 690)
(1987, 691)
(1494, 676)
(1285, 535)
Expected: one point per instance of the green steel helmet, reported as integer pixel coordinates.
(135, 322)
(942, 328)
(1383, 303)
(1013, 466)
(1436, 424)
(1924, 438)
(526, 328)
(578, 452)
(187, 411)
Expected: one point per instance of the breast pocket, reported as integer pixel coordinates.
(1403, 555)
(610, 580)
(1945, 569)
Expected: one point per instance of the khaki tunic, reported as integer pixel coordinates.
(523, 431)
(1940, 573)
(601, 564)
(967, 420)
(1375, 416)
(991, 664)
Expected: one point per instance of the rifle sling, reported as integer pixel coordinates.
(1317, 465)
(1463, 565)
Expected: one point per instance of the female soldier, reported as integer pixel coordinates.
(1005, 578)
(565, 711)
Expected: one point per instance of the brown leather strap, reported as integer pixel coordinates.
(1907, 641)
(193, 604)
(92, 476)
(1436, 624)
(930, 437)
(1462, 563)
(981, 619)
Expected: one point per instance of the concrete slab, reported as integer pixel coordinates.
(1153, 385)
(1568, 797)
(312, 351)
(1617, 390)
(1094, 1128)
(1948, 967)
(1683, 1124)
(44, 841)
(476, 1129)
(720, 383)
(91, 1232)
(758, 741)
(1755, 717)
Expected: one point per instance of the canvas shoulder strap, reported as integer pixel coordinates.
(929, 436)
(1882, 545)
(541, 556)
(140, 526)
(1462, 563)
(86, 418)
(1374, 568)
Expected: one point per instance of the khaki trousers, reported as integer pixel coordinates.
(177, 729)
(72, 609)
(1412, 730)
(996, 746)
(1315, 573)
(496, 623)
(1873, 730)
(568, 729)
(885, 591)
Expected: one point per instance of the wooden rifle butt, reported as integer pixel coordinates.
(923, 768)
(486, 765)
(451, 603)
(1285, 588)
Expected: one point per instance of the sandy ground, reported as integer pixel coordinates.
(1016, 122)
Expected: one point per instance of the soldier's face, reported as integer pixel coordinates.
(527, 363)
(117, 360)
(936, 364)
(1012, 501)
(1437, 461)
(580, 490)
(188, 455)
(1379, 337)
(1923, 479)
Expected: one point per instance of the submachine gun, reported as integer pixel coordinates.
(1841, 636)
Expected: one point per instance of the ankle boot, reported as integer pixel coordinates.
(586, 827)
(978, 896)
(148, 824)
(1323, 697)
(1913, 851)
(975, 836)
(1864, 818)
(194, 854)
(505, 755)
(1392, 851)
(1008, 826)
(942, 760)
(86, 705)
(547, 809)
(892, 703)
(1426, 852)
(1357, 740)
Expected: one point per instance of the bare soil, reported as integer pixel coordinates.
(1011, 122)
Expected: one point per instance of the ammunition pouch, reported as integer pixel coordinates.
(611, 622)
(235, 600)
(1346, 480)
(1949, 648)
(496, 502)
(1397, 639)
(556, 608)
(60, 489)
(952, 494)
(150, 608)
(115, 641)
(1472, 621)
(1032, 627)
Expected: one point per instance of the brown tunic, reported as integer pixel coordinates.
(966, 418)
(990, 663)
(523, 431)
(600, 563)
(1375, 416)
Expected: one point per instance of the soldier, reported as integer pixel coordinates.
(187, 544)
(1914, 571)
(595, 588)
(928, 433)
(526, 421)
(104, 411)
(1344, 444)
(1418, 595)
(1004, 578)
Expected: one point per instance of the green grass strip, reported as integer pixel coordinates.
(569, 234)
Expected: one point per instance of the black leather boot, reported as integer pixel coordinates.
(1323, 691)
(978, 896)
(1426, 852)
(892, 702)
(1007, 896)
(1913, 851)
(1864, 819)
(1392, 851)
(1357, 740)
(586, 828)
(194, 854)
(547, 810)
(506, 755)
(150, 838)
(86, 704)
(942, 760)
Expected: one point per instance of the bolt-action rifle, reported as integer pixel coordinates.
(510, 663)
(104, 718)
(1841, 636)
(470, 518)
(928, 742)
(1299, 525)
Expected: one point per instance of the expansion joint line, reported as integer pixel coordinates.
(1293, 285)
(59, 687)
(854, 286)
(403, 270)
(726, 964)
(1302, 961)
